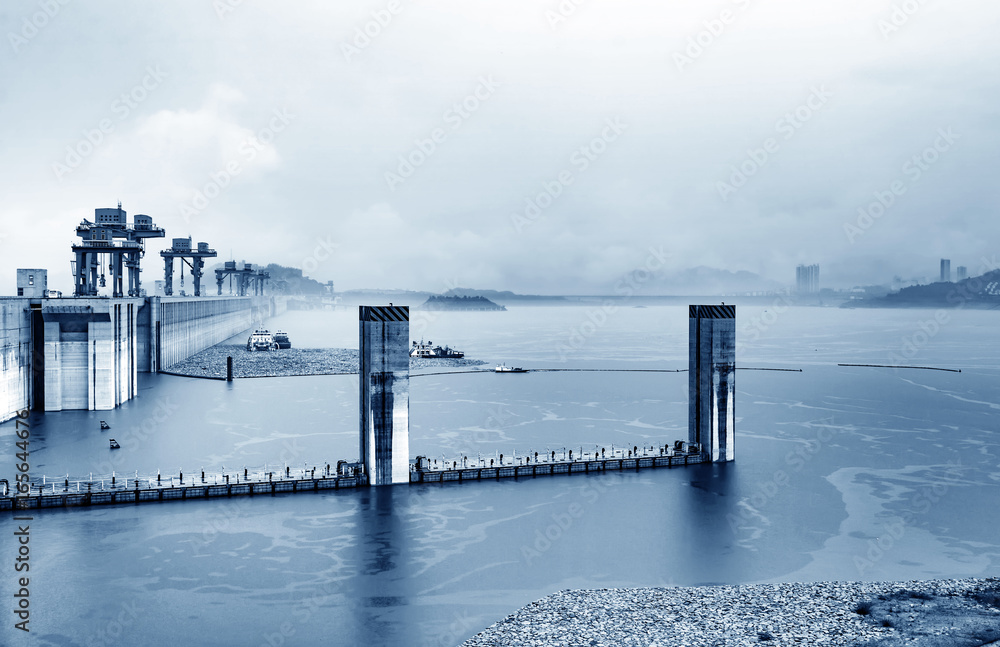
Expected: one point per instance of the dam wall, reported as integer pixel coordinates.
(179, 327)
(86, 353)
(90, 358)
(15, 356)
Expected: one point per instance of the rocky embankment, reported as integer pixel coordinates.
(211, 363)
(869, 614)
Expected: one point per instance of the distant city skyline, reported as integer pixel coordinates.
(691, 281)
(548, 157)
(807, 279)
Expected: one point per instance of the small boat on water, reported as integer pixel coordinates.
(281, 339)
(429, 350)
(114, 444)
(105, 425)
(261, 339)
(503, 368)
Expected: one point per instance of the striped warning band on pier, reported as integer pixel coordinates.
(712, 312)
(384, 313)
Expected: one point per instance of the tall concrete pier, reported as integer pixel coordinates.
(91, 353)
(385, 393)
(712, 380)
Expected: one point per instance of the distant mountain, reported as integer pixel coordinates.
(282, 280)
(290, 280)
(976, 292)
(460, 303)
(499, 297)
(366, 296)
(704, 281)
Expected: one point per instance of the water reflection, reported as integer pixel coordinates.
(825, 458)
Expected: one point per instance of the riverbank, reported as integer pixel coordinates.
(211, 362)
(870, 614)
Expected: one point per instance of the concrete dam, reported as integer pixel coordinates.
(86, 353)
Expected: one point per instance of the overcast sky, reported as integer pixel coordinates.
(528, 145)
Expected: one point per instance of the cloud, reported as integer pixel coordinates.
(323, 178)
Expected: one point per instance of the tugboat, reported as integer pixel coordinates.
(261, 339)
(503, 368)
(281, 339)
(105, 425)
(114, 444)
(429, 350)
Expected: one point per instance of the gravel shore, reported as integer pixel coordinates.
(871, 614)
(211, 363)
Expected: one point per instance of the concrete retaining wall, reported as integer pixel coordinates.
(188, 326)
(90, 350)
(90, 356)
(15, 357)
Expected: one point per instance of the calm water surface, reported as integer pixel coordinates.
(841, 473)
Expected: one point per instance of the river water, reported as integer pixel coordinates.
(841, 473)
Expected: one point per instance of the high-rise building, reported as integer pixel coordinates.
(712, 380)
(961, 273)
(945, 270)
(807, 279)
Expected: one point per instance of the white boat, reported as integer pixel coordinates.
(503, 368)
(429, 350)
(261, 339)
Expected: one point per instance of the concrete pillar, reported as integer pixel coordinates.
(197, 269)
(168, 275)
(100, 364)
(79, 278)
(384, 344)
(53, 367)
(712, 380)
(154, 334)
